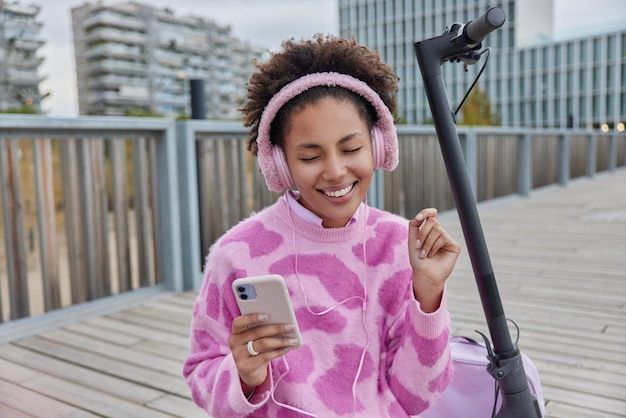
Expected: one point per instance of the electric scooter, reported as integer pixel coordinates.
(462, 43)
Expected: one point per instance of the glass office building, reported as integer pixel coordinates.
(534, 78)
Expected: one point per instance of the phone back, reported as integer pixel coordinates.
(266, 294)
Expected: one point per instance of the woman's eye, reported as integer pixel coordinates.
(308, 159)
(353, 150)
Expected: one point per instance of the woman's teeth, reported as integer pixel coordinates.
(340, 193)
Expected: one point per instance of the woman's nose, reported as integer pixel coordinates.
(334, 167)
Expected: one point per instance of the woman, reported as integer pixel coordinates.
(367, 285)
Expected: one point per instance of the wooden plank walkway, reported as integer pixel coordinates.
(560, 264)
(559, 260)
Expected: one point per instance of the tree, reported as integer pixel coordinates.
(476, 111)
(25, 109)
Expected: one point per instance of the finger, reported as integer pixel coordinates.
(271, 347)
(242, 327)
(424, 214)
(245, 323)
(433, 234)
(272, 330)
(418, 230)
(252, 368)
(258, 333)
(445, 243)
(424, 221)
(428, 233)
(437, 245)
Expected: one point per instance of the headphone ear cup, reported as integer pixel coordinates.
(282, 169)
(378, 147)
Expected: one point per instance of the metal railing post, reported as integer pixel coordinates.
(591, 154)
(525, 161)
(169, 211)
(564, 158)
(612, 152)
(189, 205)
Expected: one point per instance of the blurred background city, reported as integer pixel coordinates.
(555, 63)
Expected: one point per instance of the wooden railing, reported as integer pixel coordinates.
(87, 207)
(97, 207)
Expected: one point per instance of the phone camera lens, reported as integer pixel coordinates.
(243, 296)
(241, 289)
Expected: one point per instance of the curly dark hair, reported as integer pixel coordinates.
(320, 54)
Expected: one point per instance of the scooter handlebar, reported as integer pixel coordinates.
(477, 30)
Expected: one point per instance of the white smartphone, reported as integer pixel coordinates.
(267, 294)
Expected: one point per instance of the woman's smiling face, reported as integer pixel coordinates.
(328, 149)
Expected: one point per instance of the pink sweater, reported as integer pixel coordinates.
(398, 355)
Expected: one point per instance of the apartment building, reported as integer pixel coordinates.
(20, 41)
(132, 58)
(534, 77)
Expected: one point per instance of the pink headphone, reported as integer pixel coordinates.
(271, 157)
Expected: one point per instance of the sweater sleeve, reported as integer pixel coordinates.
(210, 370)
(420, 366)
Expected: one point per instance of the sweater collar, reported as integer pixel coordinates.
(317, 233)
(293, 196)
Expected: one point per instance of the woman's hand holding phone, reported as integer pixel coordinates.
(266, 330)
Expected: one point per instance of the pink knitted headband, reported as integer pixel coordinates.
(271, 157)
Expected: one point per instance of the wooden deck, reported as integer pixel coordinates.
(560, 263)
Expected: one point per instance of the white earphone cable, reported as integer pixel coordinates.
(325, 311)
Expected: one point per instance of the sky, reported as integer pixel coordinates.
(265, 23)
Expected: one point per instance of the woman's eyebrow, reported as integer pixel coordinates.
(313, 145)
(308, 145)
(349, 137)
